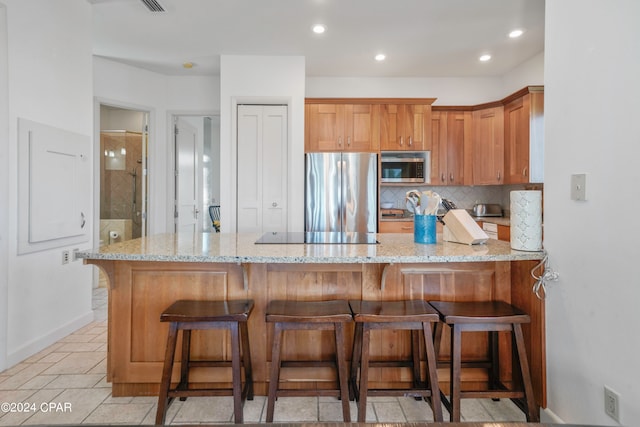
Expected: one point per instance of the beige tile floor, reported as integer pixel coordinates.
(65, 384)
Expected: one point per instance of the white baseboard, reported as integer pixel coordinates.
(45, 341)
(548, 416)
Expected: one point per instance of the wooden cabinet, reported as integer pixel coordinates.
(504, 233)
(341, 127)
(395, 227)
(402, 227)
(450, 142)
(405, 127)
(523, 136)
(488, 146)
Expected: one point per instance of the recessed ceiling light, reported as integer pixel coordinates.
(485, 57)
(319, 29)
(380, 57)
(515, 33)
(187, 65)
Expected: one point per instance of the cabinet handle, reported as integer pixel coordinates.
(401, 141)
(498, 175)
(451, 177)
(340, 141)
(442, 178)
(196, 211)
(349, 141)
(524, 171)
(406, 228)
(410, 142)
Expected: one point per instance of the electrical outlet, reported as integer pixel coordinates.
(612, 403)
(66, 256)
(74, 254)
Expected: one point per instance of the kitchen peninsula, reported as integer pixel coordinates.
(146, 275)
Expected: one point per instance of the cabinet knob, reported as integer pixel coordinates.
(274, 204)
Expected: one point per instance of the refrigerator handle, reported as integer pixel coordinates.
(342, 197)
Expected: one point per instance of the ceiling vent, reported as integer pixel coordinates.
(153, 5)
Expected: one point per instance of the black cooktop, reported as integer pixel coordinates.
(317, 237)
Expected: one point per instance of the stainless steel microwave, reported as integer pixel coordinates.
(405, 167)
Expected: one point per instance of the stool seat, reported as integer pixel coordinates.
(308, 315)
(207, 311)
(479, 312)
(308, 311)
(491, 317)
(414, 315)
(393, 311)
(188, 315)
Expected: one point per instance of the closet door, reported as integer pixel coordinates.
(262, 168)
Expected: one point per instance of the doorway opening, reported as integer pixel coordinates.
(124, 187)
(197, 173)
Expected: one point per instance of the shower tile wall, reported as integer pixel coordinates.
(463, 196)
(116, 186)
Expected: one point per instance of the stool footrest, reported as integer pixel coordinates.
(406, 392)
(307, 392)
(307, 363)
(191, 392)
(491, 394)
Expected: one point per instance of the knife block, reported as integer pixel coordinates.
(461, 228)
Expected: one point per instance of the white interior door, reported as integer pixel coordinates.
(187, 182)
(262, 168)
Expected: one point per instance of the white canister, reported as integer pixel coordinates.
(526, 220)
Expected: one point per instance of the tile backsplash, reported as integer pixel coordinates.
(464, 196)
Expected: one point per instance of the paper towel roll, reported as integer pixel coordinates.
(526, 220)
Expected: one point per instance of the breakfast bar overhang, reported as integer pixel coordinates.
(146, 275)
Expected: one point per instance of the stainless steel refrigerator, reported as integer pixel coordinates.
(341, 192)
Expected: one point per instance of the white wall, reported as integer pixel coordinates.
(267, 80)
(529, 73)
(4, 187)
(592, 126)
(49, 72)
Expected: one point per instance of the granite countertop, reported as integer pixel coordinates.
(240, 248)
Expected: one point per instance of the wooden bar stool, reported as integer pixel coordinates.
(185, 316)
(490, 316)
(308, 315)
(414, 315)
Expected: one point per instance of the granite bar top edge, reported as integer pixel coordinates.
(240, 249)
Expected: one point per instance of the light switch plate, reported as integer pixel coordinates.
(579, 186)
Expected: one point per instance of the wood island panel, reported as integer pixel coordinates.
(140, 290)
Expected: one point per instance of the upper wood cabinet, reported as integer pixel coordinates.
(341, 127)
(488, 146)
(523, 136)
(405, 127)
(450, 145)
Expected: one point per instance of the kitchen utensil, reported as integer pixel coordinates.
(413, 201)
(430, 202)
